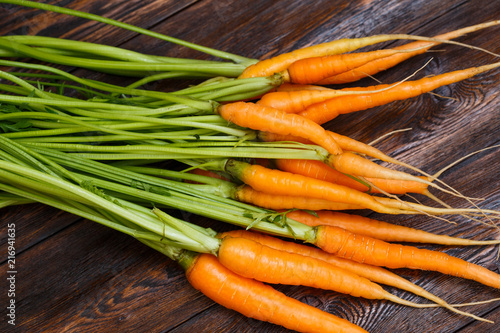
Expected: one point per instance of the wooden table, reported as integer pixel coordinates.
(74, 275)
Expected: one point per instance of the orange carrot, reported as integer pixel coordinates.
(316, 69)
(294, 87)
(254, 260)
(348, 144)
(257, 300)
(245, 193)
(279, 63)
(326, 111)
(376, 252)
(372, 273)
(295, 101)
(378, 229)
(356, 165)
(321, 171)
(267, 119)
(285, 183)
(280, 201)
(378, 65)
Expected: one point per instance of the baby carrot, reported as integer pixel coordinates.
(328, 110)
(355, 165)
(245, 193)
(348, 144)
(295, 101)
(279, 200)
(376, 252)
(316, 69)
(321, 171)
(294, 86)
(285, 183)
(378, 229)
(372, 273)
(377, 65)
(268, 119)
(257, 300)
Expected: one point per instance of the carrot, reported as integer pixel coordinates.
(316, 69)
(356, 165)
(268, 119)
(348, 144)
(285, 183)
(376, 252)
(321, 171)
(245, 193)
(378, 229)
(295, 101)
(328, 110)
(280, 201)
(257, 300)
(254, 260)
(372, 273)
(378, 65)
(279, 63)
(293, 87)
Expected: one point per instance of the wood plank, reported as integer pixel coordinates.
(145, 14)
(81, 277)
(33, 223)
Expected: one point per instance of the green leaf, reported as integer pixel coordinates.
(21, 125)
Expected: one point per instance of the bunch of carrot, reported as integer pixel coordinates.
(305, 172)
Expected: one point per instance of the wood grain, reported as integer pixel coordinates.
(76, 276)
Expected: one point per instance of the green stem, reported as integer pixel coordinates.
(228, 90)
(211, 243)
(7, 199)
(197, 153)
(31, 173)
(163, 76)
(123, 67)
(187, 197)
(29, 195)
(172, 98)
(88, 126)
(197, 134)
(98, 51)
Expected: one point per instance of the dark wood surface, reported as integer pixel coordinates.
(77, 276)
